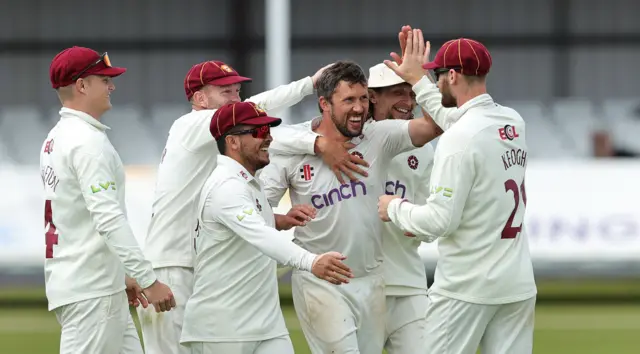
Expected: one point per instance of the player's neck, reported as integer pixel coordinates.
(251, 169)
(328, 129)
(378, 116)
(470, 93)
(78, 106)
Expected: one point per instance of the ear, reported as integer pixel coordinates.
(453, 76)
(324, 104)
(198, 98)
(81, 85)
(233, 142)
(372, 97)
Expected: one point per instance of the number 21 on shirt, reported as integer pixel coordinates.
(519, 193)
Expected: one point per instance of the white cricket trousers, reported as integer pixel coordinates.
(406, 324)
(161, 330)
(340, 319)
(459, 327)
(279, 345)
(101, 325)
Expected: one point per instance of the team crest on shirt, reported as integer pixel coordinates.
(258, 206)
(412, 161)
(226, 68)
(357, 153)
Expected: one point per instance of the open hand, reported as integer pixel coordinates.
(328, 266)
(336, 155)
(415, 53)
(317, 75)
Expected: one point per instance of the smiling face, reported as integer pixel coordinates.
(249, 145)
(214, 97)
(349, 106)
(343, 98)
(393, 102)
(97, 92)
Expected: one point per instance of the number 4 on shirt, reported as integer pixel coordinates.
(509, 230)
(51, 233)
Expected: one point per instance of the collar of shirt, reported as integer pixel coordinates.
(235, 167)
(480, 100)
(72, 113)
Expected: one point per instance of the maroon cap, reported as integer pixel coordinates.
(472, 57)
(210, 73)
(232, 114)
(75, 60)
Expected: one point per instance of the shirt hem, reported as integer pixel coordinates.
(486, 301)
(404, 290)
(54, 305)
(233, 339)
(165, 263)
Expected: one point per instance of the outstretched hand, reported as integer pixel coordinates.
(299, 215)
(415, 53)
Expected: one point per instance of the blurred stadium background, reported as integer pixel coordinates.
(570, 67)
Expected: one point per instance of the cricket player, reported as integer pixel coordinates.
(346, 318)
(408, 176)
(235, 307)
(484, 291)
(89, 245)
(188, 159)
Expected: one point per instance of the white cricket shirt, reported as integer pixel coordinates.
(347, 215)
(477, 204)
(188, 159)
(235, 294)
(88, 242)
(408, 177)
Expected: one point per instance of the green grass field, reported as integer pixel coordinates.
(566, 329)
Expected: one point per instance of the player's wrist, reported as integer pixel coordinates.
(309, 261)
(394, 207)
(421, 84)
(320, 145)
(147, 280)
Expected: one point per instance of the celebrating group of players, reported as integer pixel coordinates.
(366, 188)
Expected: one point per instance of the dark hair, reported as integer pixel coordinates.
(372, 106)
(342, 70)
(222, 143)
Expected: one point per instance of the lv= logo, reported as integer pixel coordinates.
(103, 186)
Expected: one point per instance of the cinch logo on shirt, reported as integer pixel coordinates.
(336, 195)
(395, 188)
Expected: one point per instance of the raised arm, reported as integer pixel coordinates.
(415, 53)
(285, 96)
